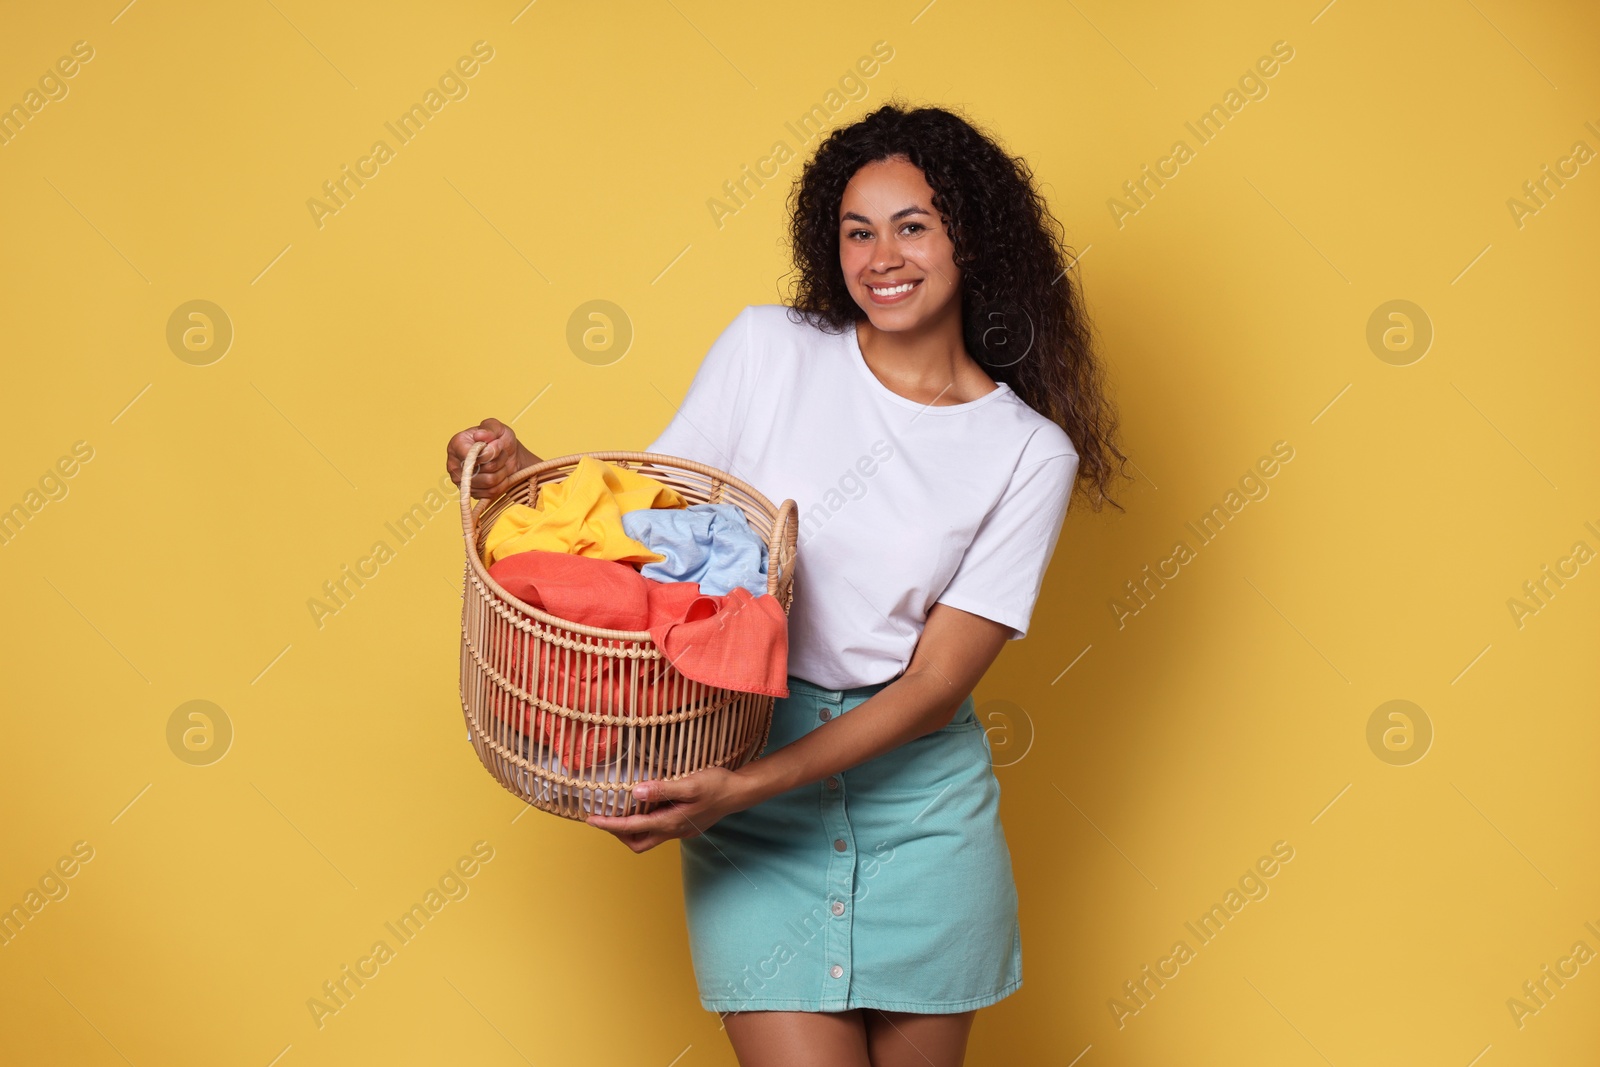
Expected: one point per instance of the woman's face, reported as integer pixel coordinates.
(890, 237)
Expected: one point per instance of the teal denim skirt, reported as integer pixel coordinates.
(886, 886)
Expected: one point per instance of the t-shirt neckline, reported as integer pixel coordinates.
(853, 347)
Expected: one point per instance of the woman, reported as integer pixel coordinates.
(930, 401)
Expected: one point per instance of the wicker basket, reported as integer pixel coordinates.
(518, 663)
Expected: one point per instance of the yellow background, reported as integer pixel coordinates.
(1229, 714)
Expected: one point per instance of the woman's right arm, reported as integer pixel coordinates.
(502, 457)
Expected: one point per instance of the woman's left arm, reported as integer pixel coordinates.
(955, 650)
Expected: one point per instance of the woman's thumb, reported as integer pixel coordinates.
(659, 789)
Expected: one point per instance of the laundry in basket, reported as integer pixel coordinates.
(669, 691)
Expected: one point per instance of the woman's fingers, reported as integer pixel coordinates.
(496, 460)
(667, 822)
(631, 824)
(456, 451)
(480, 478)
(490, 487)
(643, 842)
(492, 476)
(640, 841)
(462, 442)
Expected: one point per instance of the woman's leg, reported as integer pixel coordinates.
(798, 1038)
(909, 1039)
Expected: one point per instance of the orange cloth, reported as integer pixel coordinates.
(735, 641)
(582, 515)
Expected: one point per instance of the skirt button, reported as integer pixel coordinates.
(838, 844)
(836, 970)
(824, 714)
(838, 907)
(833, 782)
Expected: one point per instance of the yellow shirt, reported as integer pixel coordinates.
(582, 515)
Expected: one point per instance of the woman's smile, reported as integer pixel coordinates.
(892, 292)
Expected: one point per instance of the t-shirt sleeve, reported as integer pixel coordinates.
(703, 427)
(1003, 569)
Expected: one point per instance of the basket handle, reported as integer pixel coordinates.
(466, 492)
(781, 557)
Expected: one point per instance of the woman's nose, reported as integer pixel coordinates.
(886, 255)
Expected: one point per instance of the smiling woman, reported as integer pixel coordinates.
(913, 235)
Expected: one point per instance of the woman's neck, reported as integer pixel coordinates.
(928, 364)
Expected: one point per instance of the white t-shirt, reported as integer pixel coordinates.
(901, 505)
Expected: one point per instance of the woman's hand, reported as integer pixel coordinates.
(502, 457)
(697, 801)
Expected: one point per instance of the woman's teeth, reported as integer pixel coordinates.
(905, 288)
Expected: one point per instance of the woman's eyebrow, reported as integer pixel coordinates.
(851, 216)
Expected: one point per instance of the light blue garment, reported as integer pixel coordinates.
(711, 544)
(885, 886)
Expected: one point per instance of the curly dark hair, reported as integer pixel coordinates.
(1016, 269)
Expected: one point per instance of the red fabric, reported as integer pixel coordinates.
(736, 641)
(600, 688)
